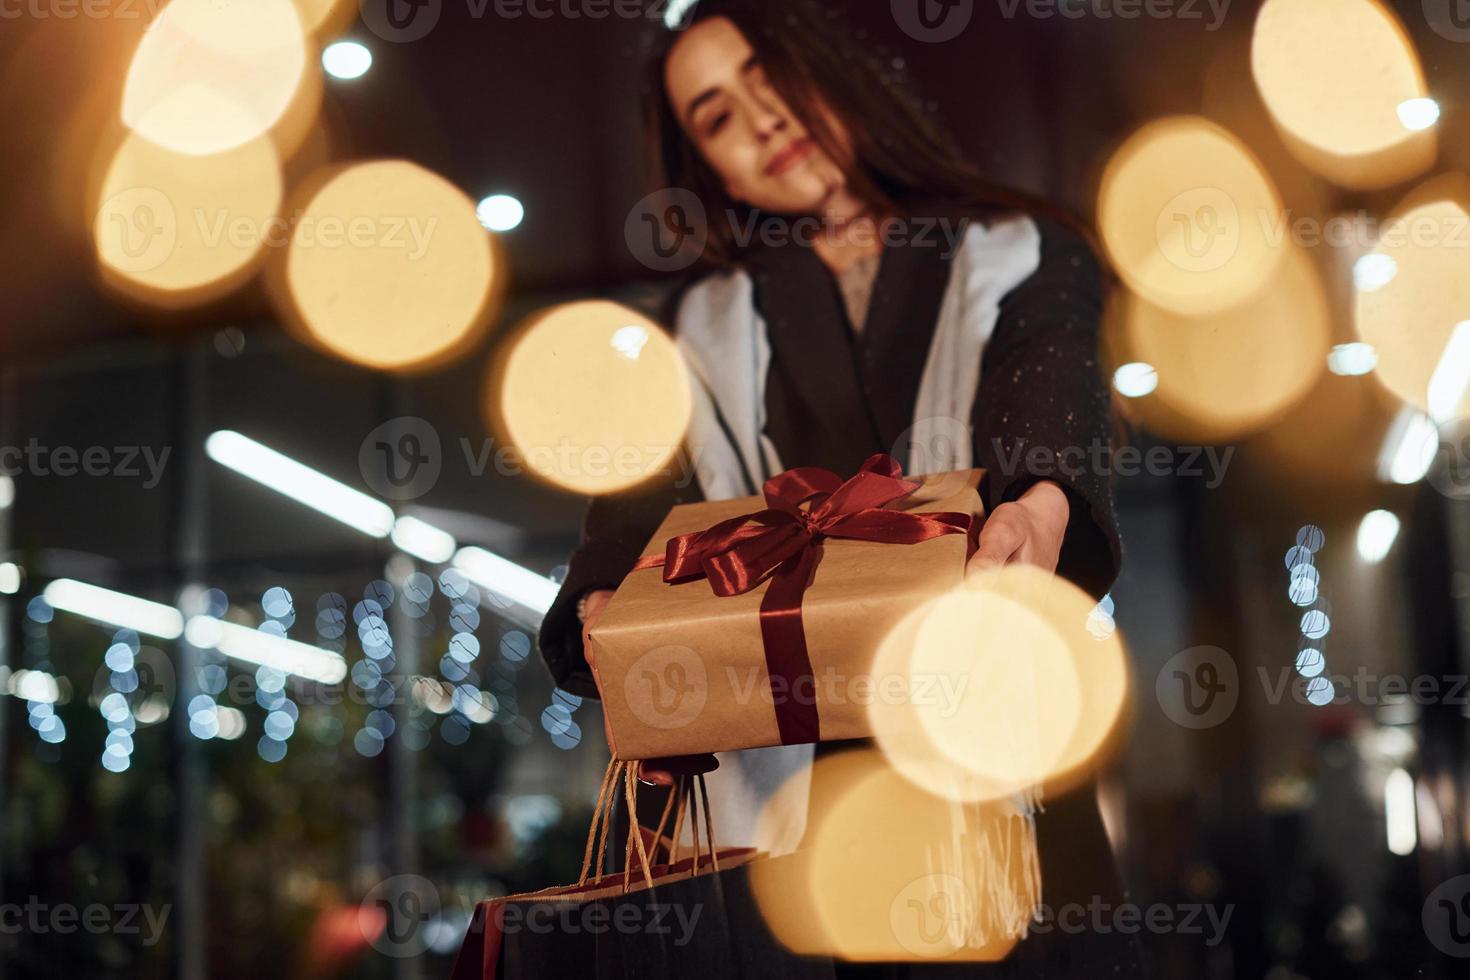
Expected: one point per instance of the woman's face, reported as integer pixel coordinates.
(743, 128)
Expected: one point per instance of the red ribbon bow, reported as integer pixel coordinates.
(779, 543)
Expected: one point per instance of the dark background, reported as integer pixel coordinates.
(1276, 813)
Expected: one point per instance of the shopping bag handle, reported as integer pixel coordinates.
(683, 792)
(681, 799)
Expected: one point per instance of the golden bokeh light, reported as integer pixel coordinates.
(387, 267)
(211, 75)
(1009, 688)
(1228, 374)
(594, 396)
(1187, 215)
(1336, 76)
(1099, 663)
(1300, 456)
(989, 723)
(1020, 701)
(1412, 314)
(175, 230)
(325, 18)
(893, 874)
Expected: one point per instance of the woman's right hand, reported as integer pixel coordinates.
(660, 772)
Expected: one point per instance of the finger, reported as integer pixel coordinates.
(1000, 537)
(1041, 557)
(662, 771)
(654, 776)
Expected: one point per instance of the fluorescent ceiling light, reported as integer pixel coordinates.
(675, 13)
(1451, 375)
(265, 649)
(1409, 448)
(423, 540)
(116, 608)
(1376, 534)
(1398, 812)
(300, 482)
(506, 578)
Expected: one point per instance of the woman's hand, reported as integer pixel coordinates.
(1028, 531)
(660, 772)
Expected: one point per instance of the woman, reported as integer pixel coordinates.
(872, 326)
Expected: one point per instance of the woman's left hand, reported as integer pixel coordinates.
(1028, 531)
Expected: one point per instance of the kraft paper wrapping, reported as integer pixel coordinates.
(683, 670)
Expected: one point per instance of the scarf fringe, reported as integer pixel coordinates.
(994, 853)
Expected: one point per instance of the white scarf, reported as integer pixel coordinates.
(724, 342)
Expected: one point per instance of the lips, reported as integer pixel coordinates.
(789, 157)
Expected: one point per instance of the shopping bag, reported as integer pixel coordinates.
(681, 916)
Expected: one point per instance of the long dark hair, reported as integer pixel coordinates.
(901, 159)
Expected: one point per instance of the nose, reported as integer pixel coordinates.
(767, 117)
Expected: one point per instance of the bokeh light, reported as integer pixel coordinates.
(1345, 90)
(1230, 373)
(594, 396)
(936, 881)
(346, 60)
(325, 17)
(175, 230)
(1374, 271)
(500, 212)
(387, 267)
(1352, 359)
(1135, 379)
(1411, 319)
(1188, 215)
(1418, 114)
(210, 76)
(978, 721)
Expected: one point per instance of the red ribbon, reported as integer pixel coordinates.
(780, 543)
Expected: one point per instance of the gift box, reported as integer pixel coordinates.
(753, 621)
